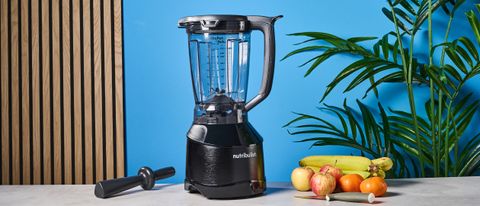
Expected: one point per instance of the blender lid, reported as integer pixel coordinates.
(214, 24)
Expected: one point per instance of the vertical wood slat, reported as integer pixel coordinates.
(61, 91)
(14, 94)
(77, 104)
(5, 94)
(35, 40)
(46, 94)
(55, 65)
(107, 84)
(25, 93)
(97, 95)
(87, 71)
(118, 85)
(67, 155)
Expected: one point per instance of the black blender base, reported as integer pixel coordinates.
(233, 191)
(224, 161)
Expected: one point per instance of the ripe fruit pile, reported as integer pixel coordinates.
(326, 174)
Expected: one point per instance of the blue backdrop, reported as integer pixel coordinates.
(159, 97)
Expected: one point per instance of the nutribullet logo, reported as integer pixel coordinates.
(244, 155)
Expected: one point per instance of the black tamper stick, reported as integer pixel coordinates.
(146, 178)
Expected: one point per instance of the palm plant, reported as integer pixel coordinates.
(430, 145)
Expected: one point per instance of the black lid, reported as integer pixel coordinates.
(214, 24)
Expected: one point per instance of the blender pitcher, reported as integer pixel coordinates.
(224, 151)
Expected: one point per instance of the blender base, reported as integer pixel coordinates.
(225, 161)
(233, 191)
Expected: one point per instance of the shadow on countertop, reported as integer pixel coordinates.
(391, 194)
(273, 190)
(139, 189)
(400, 182)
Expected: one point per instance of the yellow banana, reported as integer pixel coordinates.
(379, 173)
(350, 164)
(384, 163)
(364, 174)
(355, 163)
(315, 169)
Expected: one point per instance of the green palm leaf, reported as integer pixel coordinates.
(434, 141)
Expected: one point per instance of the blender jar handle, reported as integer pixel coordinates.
(265, 25)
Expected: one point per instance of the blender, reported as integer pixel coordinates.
(224, 152)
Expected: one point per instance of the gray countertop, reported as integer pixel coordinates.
(421, 191)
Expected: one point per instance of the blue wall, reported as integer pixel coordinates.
(159, 98)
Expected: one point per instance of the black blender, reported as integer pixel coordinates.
(224, 151)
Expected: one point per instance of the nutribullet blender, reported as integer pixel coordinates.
(224, 151)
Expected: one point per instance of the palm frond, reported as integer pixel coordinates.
(406, 137)
(364, 131)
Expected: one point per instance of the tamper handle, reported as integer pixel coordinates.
(107, 188)
(146, 178)
(164, 173)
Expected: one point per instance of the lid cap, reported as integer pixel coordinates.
(214, 24)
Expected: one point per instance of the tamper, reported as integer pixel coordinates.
(146, 178)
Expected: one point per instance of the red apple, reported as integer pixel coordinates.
(322, 183)
(334, 171)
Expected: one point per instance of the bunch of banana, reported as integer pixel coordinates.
(350, 164)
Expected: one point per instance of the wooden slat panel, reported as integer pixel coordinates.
(25, 94)
(61, 91)
(36, 85)
(5, 93)
(118, 86)
(67, 112)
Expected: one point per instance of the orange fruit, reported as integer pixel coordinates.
(375, 185)
(350, 182)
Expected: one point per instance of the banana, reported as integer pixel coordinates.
(379, 173)
(315, 169)
(353, 163)
(384, 163)
(350, 164)
(364, 174)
